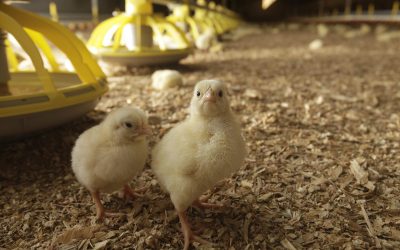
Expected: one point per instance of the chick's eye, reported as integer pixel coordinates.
(128, 124)
(198, 93)
(220, 93)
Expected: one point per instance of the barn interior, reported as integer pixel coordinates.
(314, 84)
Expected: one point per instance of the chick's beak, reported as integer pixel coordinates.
(209, 96)
(145, 130)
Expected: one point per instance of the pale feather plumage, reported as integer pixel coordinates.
(206, 39)
(205, 148)
(164, 79)
(109, 155)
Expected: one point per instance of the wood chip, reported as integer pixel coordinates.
(101, 245)
(253, 93)
(361, 175)
(246, 225)
(76, 233)
(287, 244)
(370, 227)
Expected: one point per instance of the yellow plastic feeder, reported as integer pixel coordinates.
(217, 18)
(39, 98)
(204, 13)
(223, 19)
(181, 17)
(229, 19)
(138, 37)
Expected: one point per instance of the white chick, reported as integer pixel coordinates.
(322, 30)
(164, 79)
(107, 157)
(206, 39)
(202, 150)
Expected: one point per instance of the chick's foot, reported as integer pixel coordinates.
(100, 212)
(188, 234)
(202, 204)
(129, 193)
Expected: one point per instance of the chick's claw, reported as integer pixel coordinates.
(100, 212)
(188, 234)
(202, 204)
(129, 193)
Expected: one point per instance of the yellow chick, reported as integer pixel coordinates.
(202, 150)
(164, 79)
(107, 157)
(206, 40)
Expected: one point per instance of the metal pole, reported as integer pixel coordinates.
(395, 8)
(347, 10)
(359, 10)
(371, 9)
(95, 11)
(4, 73)
(53, 11)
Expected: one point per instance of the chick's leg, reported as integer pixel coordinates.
(187, 232)
(99, 207)
(100, 212)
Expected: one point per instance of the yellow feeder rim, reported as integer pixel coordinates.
(144, 58)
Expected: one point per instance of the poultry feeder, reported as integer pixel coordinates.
(203, 13)
(229, 19)
(225, 19)
(138, 37)
(181, 17)
(217, 17)
(43, 97)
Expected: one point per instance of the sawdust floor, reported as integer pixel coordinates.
(322, 173)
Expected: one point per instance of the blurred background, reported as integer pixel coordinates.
(250, 10)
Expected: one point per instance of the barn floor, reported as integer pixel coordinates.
(323, 170)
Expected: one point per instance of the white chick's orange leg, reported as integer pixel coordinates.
(132, 194)
(99, 207)
(100, 212)
(187, 232)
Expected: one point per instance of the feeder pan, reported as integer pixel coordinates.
(35, 99)
(137, 37)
